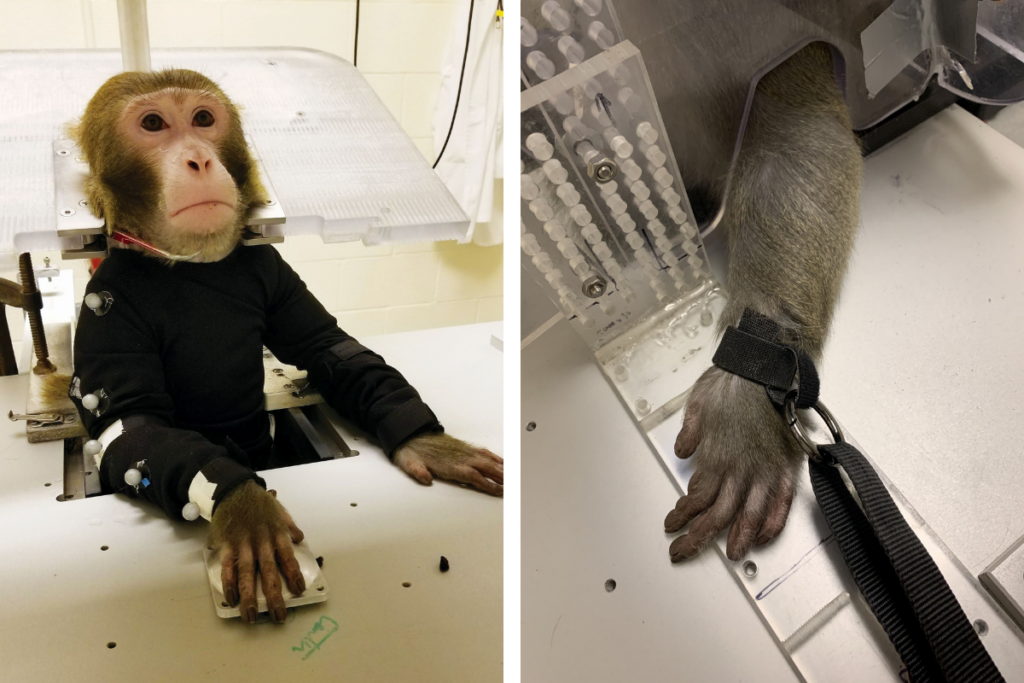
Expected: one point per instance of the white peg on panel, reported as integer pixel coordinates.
(555, 15)
(640, 190)
(646, 132)
(628, 99)
(538, 144)
(528, 189)
(580, 214)
(527, 33)
(598, 33)
(590, 7)
(572, 50)
(568, 194)
(540, 64)
(555, 172)
(631, 169)
(555, 230)
(541, 210)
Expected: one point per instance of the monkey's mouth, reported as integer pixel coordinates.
(209, 202)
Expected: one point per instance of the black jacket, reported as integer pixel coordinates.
(178, 357)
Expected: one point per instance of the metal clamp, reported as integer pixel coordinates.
(809, 447)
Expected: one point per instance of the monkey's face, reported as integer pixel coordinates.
(169, 163)
(178, 135)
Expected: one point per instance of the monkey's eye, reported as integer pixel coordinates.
(153, 123)
(203, 119)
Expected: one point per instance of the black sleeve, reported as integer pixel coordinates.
(352, 379)
(117, 359)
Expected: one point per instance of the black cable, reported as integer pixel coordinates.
(458, 93)
(355, 48)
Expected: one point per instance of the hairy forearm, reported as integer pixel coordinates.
(792, 210)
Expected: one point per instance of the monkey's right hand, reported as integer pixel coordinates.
(744, 468)
(251, 529)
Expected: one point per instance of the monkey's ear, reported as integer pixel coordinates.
(73, 130)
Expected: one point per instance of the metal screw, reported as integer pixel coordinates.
(67, 212)
(84, 202)
(602, 171)
(531, 426)
(289, 386)
(981, 627)
(749, 569)
(270, 202)
(63, 152)
(594, 286)
(35, 320)
(300, 113)
(271, 62)
(277, 371)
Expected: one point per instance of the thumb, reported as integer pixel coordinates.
(689, 435)
(414, 467)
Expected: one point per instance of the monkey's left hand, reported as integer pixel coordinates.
(744, 470)
(439, 455)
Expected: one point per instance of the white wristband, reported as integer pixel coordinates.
(200, 492)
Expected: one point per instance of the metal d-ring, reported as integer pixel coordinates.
(809, 447)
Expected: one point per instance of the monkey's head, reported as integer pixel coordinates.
(168, 162)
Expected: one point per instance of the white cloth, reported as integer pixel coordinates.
(471, 166)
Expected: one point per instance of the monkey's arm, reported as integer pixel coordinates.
(353, 380)
(791, 216)
(117, 355)
(360, 385)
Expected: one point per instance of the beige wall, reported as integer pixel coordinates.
(372, 290)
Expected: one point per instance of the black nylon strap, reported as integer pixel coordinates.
(936, 614)
(873, 573)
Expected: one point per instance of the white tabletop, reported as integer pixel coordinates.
(62, 599)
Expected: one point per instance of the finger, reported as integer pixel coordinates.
(415, 468)
(271, 582)
(689, 435)
(748, 522)
(289, 565)
(246, 583)
(708, 525)
(468, 475)
(493, 456)
(491, 470)
(700, 494)
(228, 574)
(778, 511)
(294, 531)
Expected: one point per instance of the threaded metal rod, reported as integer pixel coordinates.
(35, 319)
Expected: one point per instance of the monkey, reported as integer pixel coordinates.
(791, 215)
(168, 371)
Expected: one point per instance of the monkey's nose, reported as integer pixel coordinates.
(199, 164)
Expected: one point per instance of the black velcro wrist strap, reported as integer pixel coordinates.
(759, 360)
(752, 351)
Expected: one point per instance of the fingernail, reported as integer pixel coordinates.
(279, 615)
(251, 613)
